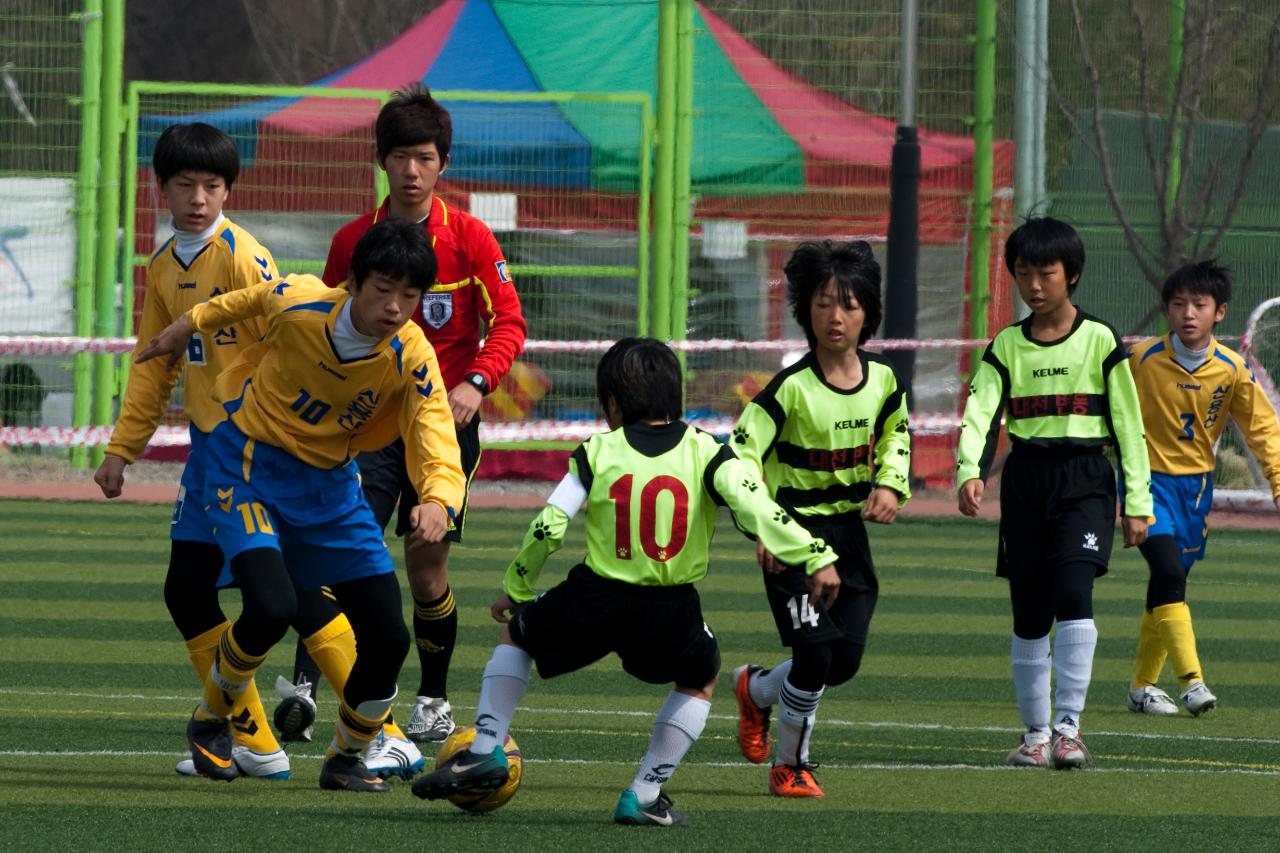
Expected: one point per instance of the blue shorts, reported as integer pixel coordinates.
(1182, 503)
(258, 496)
(190, 521)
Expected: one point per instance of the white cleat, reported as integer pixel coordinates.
(1151, 700)
(431, 722)
(1198, 699)
(1030, 753)
(271, 765)
(393, 756)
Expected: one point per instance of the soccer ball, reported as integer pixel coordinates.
(485, 801)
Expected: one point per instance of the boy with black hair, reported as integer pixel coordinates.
(651, 488)
(1188, 383)
(195, 167)
(830, 435)
(473, 291)
(1062, 380)
(338, 371)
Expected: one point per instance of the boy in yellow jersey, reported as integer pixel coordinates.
(339, 371)
(195, 166)
(1061, 380)
(1188, 384)
(651, 488)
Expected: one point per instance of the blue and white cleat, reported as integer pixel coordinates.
(393, 756)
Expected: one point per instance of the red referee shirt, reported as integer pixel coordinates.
(473, 290)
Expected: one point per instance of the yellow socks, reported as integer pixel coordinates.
(248, 717)
(357, 727)
(333, 648)
(229, 680)
(1151, 653)
(1174, 624)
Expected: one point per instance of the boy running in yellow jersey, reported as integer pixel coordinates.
(651, 488)
(339, 371)
(1189, 383)
(195, 167)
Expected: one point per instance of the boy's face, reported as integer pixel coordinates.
(1044, 289)
(1192, 317)
(837, 325)
(194, 199)
(380, 305)
(412, 173)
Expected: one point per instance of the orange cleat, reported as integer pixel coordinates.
(795, 782)
(753, 721)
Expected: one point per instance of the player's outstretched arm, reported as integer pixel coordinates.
(172, 341)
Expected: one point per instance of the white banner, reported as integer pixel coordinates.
(37, 256)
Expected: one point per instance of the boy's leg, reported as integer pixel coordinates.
(1032, 664)
(679, 723)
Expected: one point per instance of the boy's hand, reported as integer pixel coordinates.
(767, 561)
(824, 585)
(882, 506)
(429, 523)
(464, 402)
(172, 342)
(110, 476)
(504, 609)
(970, 496)
(1135, 530)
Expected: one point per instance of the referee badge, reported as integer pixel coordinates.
(437, 309)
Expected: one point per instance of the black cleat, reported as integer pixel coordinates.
(465, 771)
(210, 742)
(348, 773)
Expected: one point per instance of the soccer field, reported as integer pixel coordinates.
(95, 688)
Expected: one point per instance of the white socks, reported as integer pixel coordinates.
(506, 678)
(1073, 648)
(1032, 664)
(797, 710)
(765, 687)
(1071, 662)
(679, 722)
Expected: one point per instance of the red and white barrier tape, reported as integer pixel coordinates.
(490, 433)
(36, 345)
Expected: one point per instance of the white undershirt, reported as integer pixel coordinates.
(1189, 358)
(187, 244)
(346, 340)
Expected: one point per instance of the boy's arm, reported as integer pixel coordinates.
(544, 537)
(734, 484)
(432, 456)
(236, 306)
(893, 446)
(500, 311)
(150, 385)
(1252, 411)
(1131, 443)
(980, 427)
(757, 428)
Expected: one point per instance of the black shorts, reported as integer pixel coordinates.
(657, 631)
(1056, 508)
(385, 478)
(802, 621)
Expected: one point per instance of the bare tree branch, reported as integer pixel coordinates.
(1137, 246)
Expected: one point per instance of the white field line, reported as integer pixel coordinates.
(648, 715)
(738, 765)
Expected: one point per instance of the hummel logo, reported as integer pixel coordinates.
(1091, 541)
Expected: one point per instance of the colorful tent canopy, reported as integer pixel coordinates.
(764, 140)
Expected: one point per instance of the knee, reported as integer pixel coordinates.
(846, 660)
(810, 666)
(427, 565)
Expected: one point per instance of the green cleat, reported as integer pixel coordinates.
(660, 812)
(465, 771)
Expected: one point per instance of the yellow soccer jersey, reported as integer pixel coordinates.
(1185, 413)
(231, 260)
(292, 391)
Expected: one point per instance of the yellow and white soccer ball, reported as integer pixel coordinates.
(486, 801)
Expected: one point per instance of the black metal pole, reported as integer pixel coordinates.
(901, 299)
